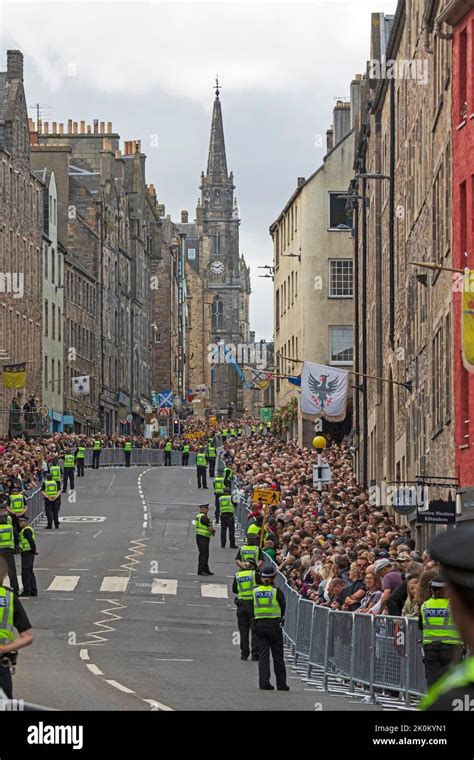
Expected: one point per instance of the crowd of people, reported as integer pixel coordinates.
(332, 546)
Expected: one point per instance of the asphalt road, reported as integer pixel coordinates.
(122, 621)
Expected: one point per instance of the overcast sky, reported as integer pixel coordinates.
(150, 68)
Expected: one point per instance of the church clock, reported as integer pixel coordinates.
(217, 267)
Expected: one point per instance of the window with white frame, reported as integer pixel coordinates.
(341, 344)
(341, 278)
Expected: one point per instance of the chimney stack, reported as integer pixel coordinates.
(83, 127)
(341, 120)
(14, 65)
(61, 128)
(102, 128)
(46, 128)
(184, 217)
(96, 126)
(301, 181)
(330, 139)
(109, 127)
(69, 126)
(74, 127)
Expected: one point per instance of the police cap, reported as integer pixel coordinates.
(204, 506)
(268, 572)
(453, 550)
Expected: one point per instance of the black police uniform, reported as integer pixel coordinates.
(246, 623)
(22, 624)
(270, 638)
(27, 562)
(453, 550)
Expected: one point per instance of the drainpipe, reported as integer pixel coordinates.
(391, 241)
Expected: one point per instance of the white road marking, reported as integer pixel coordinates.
(83, 654)
(98, 534)
(191, 604)
(171, 659)
(145, 602)
(215, 590)
(94, 669)
(84, 569)
(160, 586)
(82, 518)
(111, 483)
(114, 583)
(119, 686)
(158, 705)
(145, 523)
(64, 583)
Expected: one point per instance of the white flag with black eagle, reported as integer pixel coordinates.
(80, 385)
(324, 391)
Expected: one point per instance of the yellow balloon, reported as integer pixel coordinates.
(319, 442)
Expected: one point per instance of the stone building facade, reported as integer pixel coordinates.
(21, 231)
(314, 273)
(404, 312)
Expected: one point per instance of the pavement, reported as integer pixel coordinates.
(122, 621)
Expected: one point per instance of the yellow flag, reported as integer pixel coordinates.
(14, 376)
(468, 320)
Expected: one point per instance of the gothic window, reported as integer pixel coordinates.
(217, 314)
(217, 197)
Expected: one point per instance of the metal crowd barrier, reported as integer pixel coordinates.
(375, 657)
(139, 457)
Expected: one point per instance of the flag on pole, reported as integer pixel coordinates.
(260, 379)
(80, 385)
(14, 376)
(324, 391)
(165, 400)
(231, 360)
(468, 320)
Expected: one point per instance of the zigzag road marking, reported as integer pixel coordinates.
(137, 551)
(104, 623)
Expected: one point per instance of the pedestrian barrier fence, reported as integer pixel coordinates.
(376, 657)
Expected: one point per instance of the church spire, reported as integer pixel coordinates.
(217, 162)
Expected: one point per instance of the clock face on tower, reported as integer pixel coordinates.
(217, 267)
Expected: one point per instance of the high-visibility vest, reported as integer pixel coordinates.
(227, 473)
(246, 583)
(97, 445)
(249, 552)
(68, 461)
(6, 616)
(55, 472)
(201, 530)
(224, 433)
(462, 675)
(127, 446)
(269, 424)
(50, 488)
(232, 431)
(438, 623)
(211, 452)
(201, 460)
(265, 603)
(168, 446)
(81, 452)
(7, 537)
(24, 543)
(253, 530)
(225, 505)
(218, 485)
(254, 429)
(186, 448)
(17, 503)
(260, 427)
(239, 431)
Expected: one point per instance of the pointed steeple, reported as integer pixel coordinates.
(217, 162)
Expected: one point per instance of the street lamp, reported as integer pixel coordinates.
(319, 443)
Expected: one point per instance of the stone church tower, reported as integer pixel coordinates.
(225, 275)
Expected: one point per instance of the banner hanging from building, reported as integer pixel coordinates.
(324, 391)
(80, 385)
(14, 376)
(258, 378)
(468, 320)
(165, 400)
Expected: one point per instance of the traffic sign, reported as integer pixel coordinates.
(321, 473)
(266, 496)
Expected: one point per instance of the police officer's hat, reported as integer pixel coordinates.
(204, 506)
(453, 550)
(439, 581)
(268, 572)
(251, 561)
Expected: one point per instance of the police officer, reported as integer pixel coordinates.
(12, 615)
(253, 429)
(127, 450)
(228, 474)
(7, 548)
(80, 456)
(244, 583)
(168, 450)
(52, 502)
(96, 449)
(442, 644)
(28, 552)
(453, 550)
(269, 612)
(269, 426)
(211, 457)
(16, 508)
(185, 456)
(239, 432)
(224, 434)
(55, 473)
(204, 531)
(218, 491)
(227, 509)
(201, 468)
(68, 471)
(250, 551)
